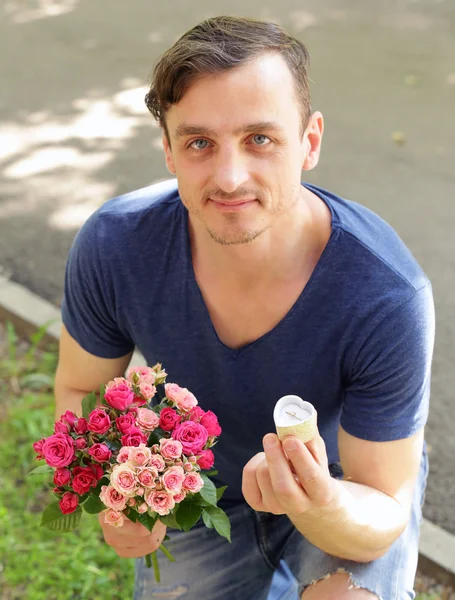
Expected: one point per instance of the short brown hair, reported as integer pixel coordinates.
(220, 44)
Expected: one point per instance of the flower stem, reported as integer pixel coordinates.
(156, 567)
(167, 553)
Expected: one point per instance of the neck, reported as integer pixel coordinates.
(281, 253)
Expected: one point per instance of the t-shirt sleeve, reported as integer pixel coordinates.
(387, 396)
(88, 305)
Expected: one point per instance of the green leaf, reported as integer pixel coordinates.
(170, 520)
(101, 482)
(208, 492)
(147, 520)
(88, 404)
(41, 469)
(198, 499)
(207, 520)
(93, 505)
(188, 514)
(219, 519)
(155, 436)
(132, 515)
(54, 519)
(220, 491)
(211, 473)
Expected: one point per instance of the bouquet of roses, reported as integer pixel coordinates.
(130, 459)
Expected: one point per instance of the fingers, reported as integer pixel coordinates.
(313, 477)
(132, 540)
(250, 487)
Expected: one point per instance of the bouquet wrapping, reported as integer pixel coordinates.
(131, 458)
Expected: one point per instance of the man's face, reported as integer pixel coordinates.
(237, 151)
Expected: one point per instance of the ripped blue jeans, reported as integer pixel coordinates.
(269, 559)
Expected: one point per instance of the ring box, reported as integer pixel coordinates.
(294, 416)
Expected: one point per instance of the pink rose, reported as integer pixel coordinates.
(138, 401)
(134, 437)
(147, 391)
(38, 448)
(157, 461)
(98, 421)
(58, 450)
(147, 419)
(112, 499)
(61, 427)
(160, 502)
(206, 460)
(84, 478)
(123, 454)
(169, 419)
(125, 423)
(117, 381)
(193, 436)
(120, 396)
(113, 517)
(80, 443)
(100, 453)
(70, 417)
(187, 467)
(142, 508)
(68, 503)
(139, 375)
(210, 422)
(172, 479)
(80, 426)
(196, 414)
(179, 497)
(139, 456)
(62, 476)
(193, 483)
(147, 476)
(183, 398)
(171, 448)
(123, 480)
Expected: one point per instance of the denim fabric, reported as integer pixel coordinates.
(269, 559)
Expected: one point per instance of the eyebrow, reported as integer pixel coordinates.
(185, 130)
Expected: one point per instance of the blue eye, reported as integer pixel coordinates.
(264, 137)
(196, 141)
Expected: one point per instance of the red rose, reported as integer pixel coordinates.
(58, 450)
(134, 437)
(80, 426)
(98, 421)
(206, 460)
(97, 470)
(119, 396)
(62, 476)
(38, 448)
(84, 478)
(100, 453)
(169, 419)
(192, 436)
(139, 401)
(61, 427)
(210, 422)
(68, 503)
(81, 443)
(125, 422)
(196, 414)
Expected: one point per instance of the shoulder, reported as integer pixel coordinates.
(371, 248)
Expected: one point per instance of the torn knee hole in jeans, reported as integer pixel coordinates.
(352, 583)
(169, 593)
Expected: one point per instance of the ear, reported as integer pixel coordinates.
(312, 139)
(168, 155)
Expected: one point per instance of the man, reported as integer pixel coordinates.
(248, 285)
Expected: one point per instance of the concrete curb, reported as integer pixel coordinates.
(27, 312)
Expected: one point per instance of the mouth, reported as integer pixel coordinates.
(232, 205)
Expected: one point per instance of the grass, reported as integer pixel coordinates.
(35, 563)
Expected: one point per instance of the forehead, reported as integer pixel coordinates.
(262, 91)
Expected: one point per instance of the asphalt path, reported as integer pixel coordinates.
(74, 132)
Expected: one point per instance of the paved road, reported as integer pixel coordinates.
(74, 132)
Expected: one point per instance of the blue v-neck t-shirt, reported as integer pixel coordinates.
(357, 343)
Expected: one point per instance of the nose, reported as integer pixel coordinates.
(231, 170)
